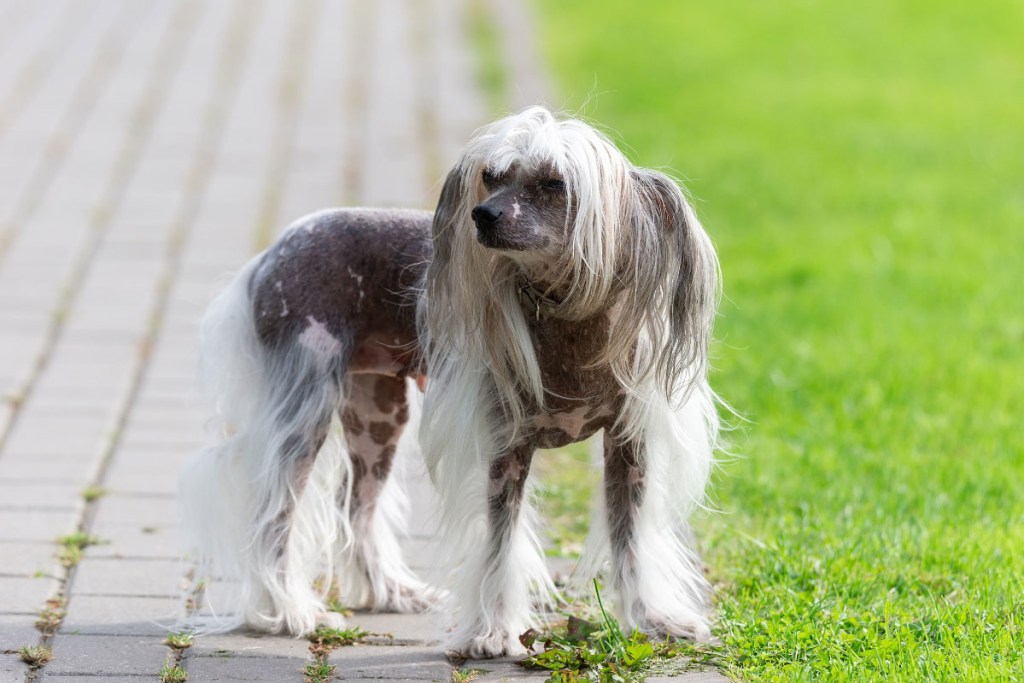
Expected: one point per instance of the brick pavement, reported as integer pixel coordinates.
(146, 150)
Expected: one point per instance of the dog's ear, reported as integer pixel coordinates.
(679, 281)
(450, 205)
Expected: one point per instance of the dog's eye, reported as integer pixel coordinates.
(488, 177)
(554, 185)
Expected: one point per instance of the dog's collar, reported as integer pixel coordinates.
(536, 300)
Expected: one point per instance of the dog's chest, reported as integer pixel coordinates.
(579, 400)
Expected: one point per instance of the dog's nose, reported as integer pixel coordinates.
(485, 216)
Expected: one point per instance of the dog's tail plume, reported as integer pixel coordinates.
(235, 493)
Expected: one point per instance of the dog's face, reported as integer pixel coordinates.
(523, 208)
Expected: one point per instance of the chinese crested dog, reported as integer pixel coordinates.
(558, 291)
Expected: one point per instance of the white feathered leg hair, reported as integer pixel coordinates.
(639, 535)
(497, 575)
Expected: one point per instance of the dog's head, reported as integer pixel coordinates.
(555, 202)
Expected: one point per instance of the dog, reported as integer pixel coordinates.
(557, 291)
(569, 292)
(307, 355)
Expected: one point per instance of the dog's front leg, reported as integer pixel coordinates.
(497, 609)
(654, 571)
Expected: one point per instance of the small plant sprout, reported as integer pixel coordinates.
(51, 616)
(179, 641)
(319, 671)
(465, 675)
(172, 673)
(590, 651)
(91, 493)
(35, 655)
(72, 546)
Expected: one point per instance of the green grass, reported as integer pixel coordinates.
(861, 169)
(172, 673)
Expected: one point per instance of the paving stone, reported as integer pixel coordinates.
(492, 670)
(40, 495)
(369, 661)
(120, 616)
(250, 645)
(36, 525)
(245, 669)
(26, 595)
(124, 577)
(93, 679)
(128, 539)
(12, 669)
(29, 559)
(17, 630)
(80, 654)
(73, 471)
(146, 511)
(404, 628)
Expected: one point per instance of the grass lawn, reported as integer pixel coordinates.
(861, 169)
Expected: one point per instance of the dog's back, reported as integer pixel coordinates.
(353, 271)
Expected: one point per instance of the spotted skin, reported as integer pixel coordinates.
(374, 417)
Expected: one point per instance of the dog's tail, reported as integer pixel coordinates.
(237, 494)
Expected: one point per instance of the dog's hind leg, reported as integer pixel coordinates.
(372, 572)
(286, 555)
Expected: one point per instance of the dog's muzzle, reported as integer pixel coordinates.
(486, 218)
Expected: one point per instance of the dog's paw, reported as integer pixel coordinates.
(410, 598)
(495, 643)
(330, 620)
(692, 627)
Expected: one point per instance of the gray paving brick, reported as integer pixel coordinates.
(29, 559)
(404, 628)
(120, 616)
(93, 679)
(81, 654)
(12, 669)
(124, 577)
(74, 471)
(245, 669)
(17, 630)
(371, 661)
(492, 670)
(250, 645)
(146, 511)
(130, 539)
(40, 496)
(36, 525)
(26, 595)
